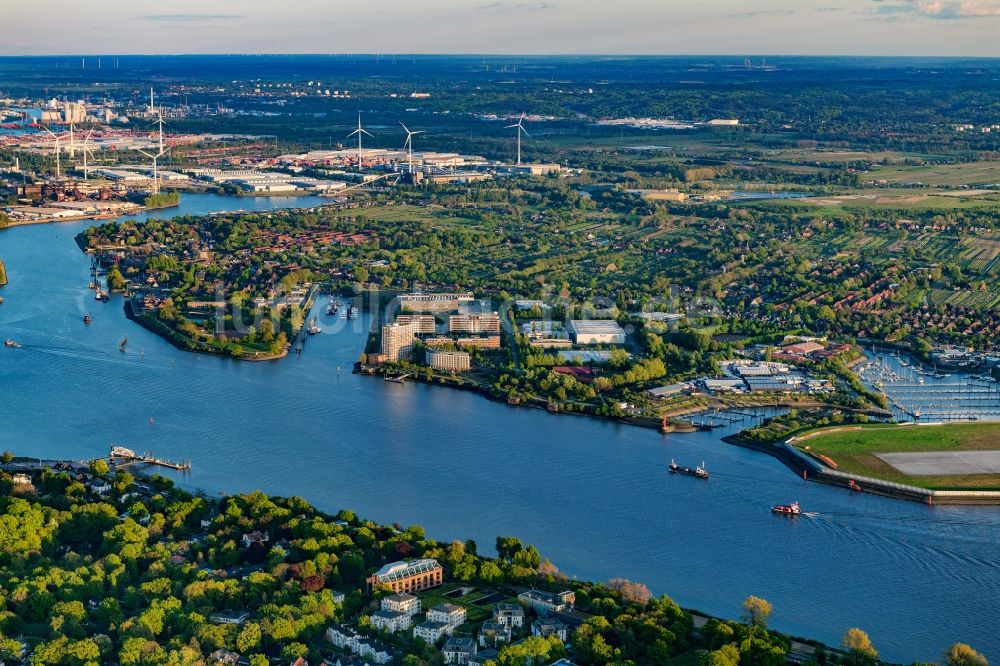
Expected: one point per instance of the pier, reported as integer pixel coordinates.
(123, 457)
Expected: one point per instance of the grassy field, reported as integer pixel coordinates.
(855, 451)
(474, 614)
(912, 201)
(966, 173)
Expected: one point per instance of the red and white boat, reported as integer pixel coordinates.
(787, 509)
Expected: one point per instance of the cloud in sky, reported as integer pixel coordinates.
(190, 18)
(942, 9)
(819, 27)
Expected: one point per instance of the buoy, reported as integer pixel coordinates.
(151, 420)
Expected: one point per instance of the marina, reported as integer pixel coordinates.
(919, 393)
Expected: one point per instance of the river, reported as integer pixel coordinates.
(593, 496)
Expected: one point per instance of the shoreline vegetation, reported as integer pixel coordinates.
(3, 274)
(158, 570)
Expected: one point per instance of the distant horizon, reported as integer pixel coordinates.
(833, 28)
(386, 55)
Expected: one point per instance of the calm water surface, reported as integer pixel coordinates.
(595, 497)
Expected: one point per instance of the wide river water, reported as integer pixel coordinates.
(593, 496)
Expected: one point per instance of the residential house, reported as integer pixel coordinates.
(451, 614)
(511, 615)
(348, 660)
(431, 631)
(338, 597)
(225, 657)
(251, 538)
(343, 637)
(546, 627)
(229, 617)
(391, 621)
(402, 603)
(374, 650)
(494, 633)
(547, 602)
(459, 650)
(483, 656)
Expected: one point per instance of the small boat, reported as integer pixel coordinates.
(121, 345)
(398, 380)
(99, 295)
(787, 509)
(86, 319)
(11, 343)
(313, 328)
(698, 472)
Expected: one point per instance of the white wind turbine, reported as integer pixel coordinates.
(409, 144)
(58, 151)
(160, 153)
(359, 132)
(86, 167)
(520, 129)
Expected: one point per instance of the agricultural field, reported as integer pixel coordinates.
(941, 175)
(911, 201)
(857, 450)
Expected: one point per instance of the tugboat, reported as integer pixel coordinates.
(86, 319)
(11, 343)
(787, 509)
(698, 472)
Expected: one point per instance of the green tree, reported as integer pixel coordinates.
(249, 637)
(99, 468)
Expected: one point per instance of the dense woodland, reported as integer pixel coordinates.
(133, 578)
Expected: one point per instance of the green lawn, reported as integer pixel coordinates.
(856, 451)
(474, 614)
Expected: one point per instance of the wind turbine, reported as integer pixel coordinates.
(409, 144)
(58, 152)
(86, 168)
(359, 132)
(520, 128)
(160, 153)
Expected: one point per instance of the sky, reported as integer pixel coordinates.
(728, 27)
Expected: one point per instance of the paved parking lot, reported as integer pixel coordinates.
(941, 463)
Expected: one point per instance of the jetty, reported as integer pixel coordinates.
(122, 457)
